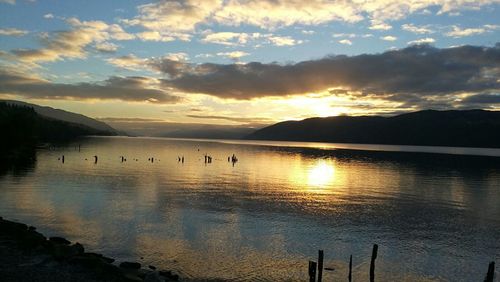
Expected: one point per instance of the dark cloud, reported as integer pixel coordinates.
(231, 118)
(114, 88)
(419, 70)
(133, 120)
(173, 68)
(483, 99)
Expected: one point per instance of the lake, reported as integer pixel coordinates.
(435, 217)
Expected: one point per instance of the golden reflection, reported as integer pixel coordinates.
(321, 174)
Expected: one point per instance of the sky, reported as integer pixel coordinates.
(249, 62)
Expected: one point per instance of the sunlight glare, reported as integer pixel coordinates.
(321, 174)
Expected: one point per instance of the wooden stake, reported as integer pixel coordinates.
(312, 271)
(372, 264)
(320, 265)
(491, 272)
(350, 269)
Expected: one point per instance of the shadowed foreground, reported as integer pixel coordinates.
(27, 255)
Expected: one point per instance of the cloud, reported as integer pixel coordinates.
(180, 56)
(284, 41)
(186, 16)
(13, 32)
(231, 118)
(274, 14)
(463, 32)
(483, 98)
(132, 89)
(169, 66)
(204, 55)
(418, 70)
(345, 42)
(351, 35)
(48, 16)
(153, 36)
(234, 55)
(389, 38)
(131, 120)
(417, 29)
(377, 25)
(130, 62)
(348, 35)
(71, 44)
(172, 19)
(229, 38)
(106, 47)
(426, 40)
(12, 2)
(241, 39)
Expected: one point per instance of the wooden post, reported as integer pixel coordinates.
(350, 269)
(320, 265)
(372, 264)
(491, 272)
(312, 271)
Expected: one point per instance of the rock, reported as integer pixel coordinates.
(59, 240)
(143, 272)
(169, 275)
(165, 273)
(62, 251)
(130, 265)
(90, 259)
(109, 260)
(131, 277)
(13, 228)
(31, 239)
(31, 228)
(96, 264)
(78, 248)
(153, 277)
(151, 267)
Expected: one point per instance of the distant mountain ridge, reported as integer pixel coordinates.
(467, 128)
(66, 116)
(211, 133)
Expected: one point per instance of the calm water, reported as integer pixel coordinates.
(435, 217)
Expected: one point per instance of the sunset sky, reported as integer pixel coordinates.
(249, 62)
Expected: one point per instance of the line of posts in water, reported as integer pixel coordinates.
(316, 268)
(180, 159)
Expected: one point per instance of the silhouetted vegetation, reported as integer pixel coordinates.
(472, 128)
(22, 129)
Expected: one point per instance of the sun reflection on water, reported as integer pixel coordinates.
(321, 174)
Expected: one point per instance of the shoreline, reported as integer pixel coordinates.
(26, 254)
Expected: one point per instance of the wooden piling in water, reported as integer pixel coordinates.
(312, 271)
(350, 269)
(320, 265)
(491, 272)
(372, 263)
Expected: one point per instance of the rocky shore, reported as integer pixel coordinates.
(27, 255)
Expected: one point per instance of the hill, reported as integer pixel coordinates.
(211, 133)
(62, 115)
(22, 129)
(469, 128)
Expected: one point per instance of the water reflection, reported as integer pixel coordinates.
(267, 215)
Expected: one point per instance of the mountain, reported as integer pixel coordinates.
(22, 129)
(211, 133)
(66, 116)
(468, 128)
